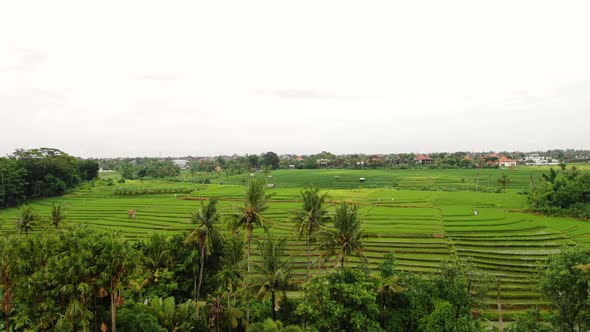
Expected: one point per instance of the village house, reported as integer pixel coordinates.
(506, 162)
(423, 159)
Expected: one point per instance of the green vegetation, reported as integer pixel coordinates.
(38, 173)
(415, 259)
(142, 190)
(565, 192)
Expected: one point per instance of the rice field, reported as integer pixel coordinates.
(488, 232)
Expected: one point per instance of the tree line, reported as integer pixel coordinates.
(39, 173)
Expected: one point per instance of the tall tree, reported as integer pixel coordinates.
(118, 259)
(204, 234)
(565, 285)
(27, 218)
(346, 239)
(271, 159)
(312, 215)
(58, 215)
(230, 275)
(504, 181)
(273, 272)
(251, 215)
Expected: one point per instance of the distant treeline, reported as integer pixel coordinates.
(230, 165)
(43, 172)
(563, 192)
(147, 168)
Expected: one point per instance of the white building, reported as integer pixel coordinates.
(181, 163)
(537, 160)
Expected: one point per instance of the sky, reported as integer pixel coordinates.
(172, 78)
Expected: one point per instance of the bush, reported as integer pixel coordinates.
(143, 190)
(138, 319)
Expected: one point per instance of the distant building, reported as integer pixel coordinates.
(181, 163)
(506, 162)
(538, 160)
(323, 162)
(423, 159)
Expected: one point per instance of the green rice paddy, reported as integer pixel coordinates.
(434, 216)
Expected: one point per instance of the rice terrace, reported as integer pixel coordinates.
(294, 166)
(424, 216)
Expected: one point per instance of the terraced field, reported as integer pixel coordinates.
(488, 232)
(411, 179)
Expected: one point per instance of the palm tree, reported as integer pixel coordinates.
(311, 217)
(387, 289)
(345, 240)
(9, 247)
(551, 176)
(58, 214)
(117, 260)
(274, 272)
(157, 255)
(27, 218)
(204, 234)
(250, 216)
(504, 180)
(230, 274)
(216, 312)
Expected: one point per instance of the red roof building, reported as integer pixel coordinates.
(506, 162)
(423, 159)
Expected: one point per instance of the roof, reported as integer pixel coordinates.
(423, 157)
(505, 159)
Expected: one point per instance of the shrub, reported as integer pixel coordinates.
(143, 190)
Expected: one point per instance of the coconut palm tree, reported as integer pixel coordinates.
(230, 274)
(27, 218)
(346, 238)
(58, 215)
(387, 288)
(204, 234)
(118, 260)
(311, 217)
(274, 272)
(251, 215)
(504, 181)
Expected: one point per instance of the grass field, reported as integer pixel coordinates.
(422, 227)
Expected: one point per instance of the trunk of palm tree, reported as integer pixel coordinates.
(7, 322)
(95, 315)
(308, 257)
(113, 311)
(273, 300)
(194, 284)
(342, 261)
(201, 272)
(228, 308)
(248, 295)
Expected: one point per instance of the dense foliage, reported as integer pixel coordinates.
(566, 192)
(44, 172)
(149, 169)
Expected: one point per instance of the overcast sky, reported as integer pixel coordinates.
(140, 78)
